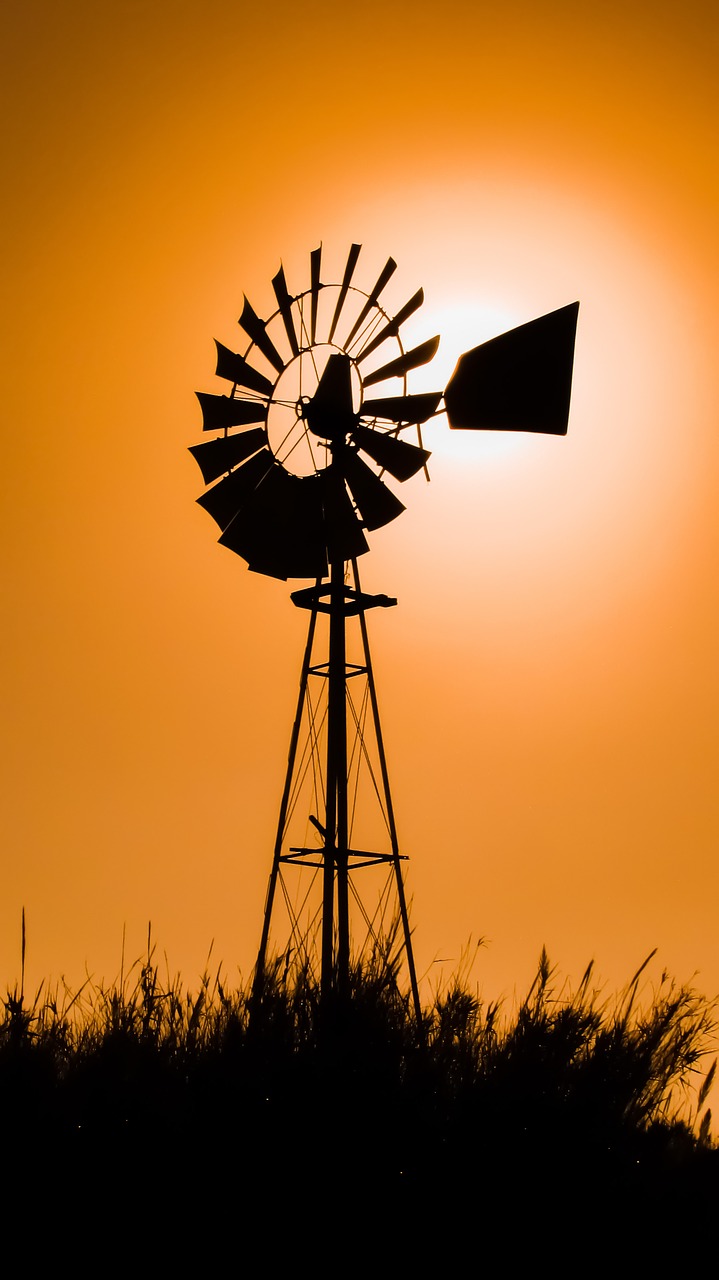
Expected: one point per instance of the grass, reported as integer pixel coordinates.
(570, 1099)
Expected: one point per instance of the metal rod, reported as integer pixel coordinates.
(335, 868)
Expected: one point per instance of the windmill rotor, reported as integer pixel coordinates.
(304, 449)
(303, 462)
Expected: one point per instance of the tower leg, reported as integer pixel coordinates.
(404, 915)
(336, 868)
(284, 804)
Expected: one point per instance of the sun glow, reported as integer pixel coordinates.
(550, 677)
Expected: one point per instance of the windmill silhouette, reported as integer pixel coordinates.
(305, 451)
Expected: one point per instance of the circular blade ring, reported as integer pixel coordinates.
(298, 470)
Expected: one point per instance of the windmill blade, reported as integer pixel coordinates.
(280, 531)
(410, 410)
(215, 457)
(284, 302)
(255, 329)
(401, 459)
(300, 533)
(304, 546)
(227, 497)
(315, 286)
(236, 369)
(354, 254)
(410, 360)
(250, 531)
(520, 381)
(302, 563)
(275, 535)
(377, 503)
(343, 533)
(388, 270)
(220, 412)
(391, 329)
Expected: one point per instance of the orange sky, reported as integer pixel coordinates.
(549, 682)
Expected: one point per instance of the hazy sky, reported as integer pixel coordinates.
(549, 681)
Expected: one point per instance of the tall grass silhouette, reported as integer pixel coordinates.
(570, 1097)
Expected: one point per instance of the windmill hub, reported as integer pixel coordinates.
(329, 413)
(302, 421)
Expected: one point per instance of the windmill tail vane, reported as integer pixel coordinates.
(301, 463)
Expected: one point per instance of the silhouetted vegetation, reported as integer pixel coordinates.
(145, 1093)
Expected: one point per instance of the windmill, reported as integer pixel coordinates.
(304, 454)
